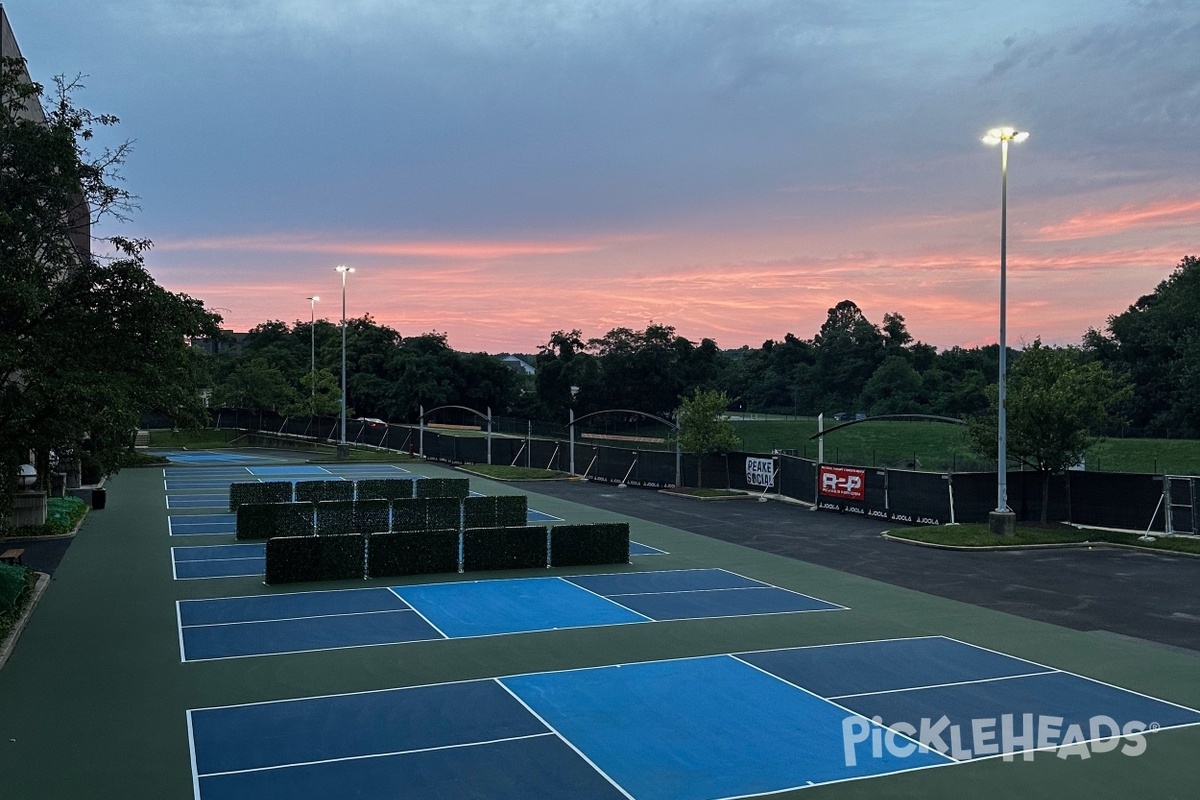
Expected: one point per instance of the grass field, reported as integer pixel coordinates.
(931, 446)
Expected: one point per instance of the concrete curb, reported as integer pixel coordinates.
(514, 480)
(39, 589)
(695, 497)
(1048, 546)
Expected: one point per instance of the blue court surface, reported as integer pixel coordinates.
(248, 560)
(722, 726)
(298, 622)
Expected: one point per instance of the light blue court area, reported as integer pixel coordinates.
(291, 469)
(202, 524)
(482, 608)
(248, 560)
(535, 517)
(308, 621)
(722, 726)
(199, 500)
(639, 549)
(219, 561)
(214, 457)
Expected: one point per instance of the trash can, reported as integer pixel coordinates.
(99, 498)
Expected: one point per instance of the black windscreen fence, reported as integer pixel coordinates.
(918, 498)
(1117, 500)
(1102, 499)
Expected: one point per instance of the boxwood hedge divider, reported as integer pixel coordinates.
(414, 553)
(578, 545)
(385, 488)
(265, 520)
(504, 548)
(255, 492)
(291, 559)
(324, 491)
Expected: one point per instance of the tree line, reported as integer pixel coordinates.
(1150, 353)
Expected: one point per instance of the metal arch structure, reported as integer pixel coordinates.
(667, 422)
(894, 418)
(821, 430)
(424, 414)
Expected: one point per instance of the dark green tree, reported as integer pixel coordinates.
(1156, 345)
(703, 429)
(86, 344)
(1055, 399)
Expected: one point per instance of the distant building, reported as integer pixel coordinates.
(517, 364)
(78, 222)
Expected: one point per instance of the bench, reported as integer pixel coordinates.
(12, 556)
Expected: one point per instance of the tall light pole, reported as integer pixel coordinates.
(1002, 521)
(312, 364)
(343, 450)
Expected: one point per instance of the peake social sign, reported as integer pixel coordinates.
(760, 472)
(845, 482)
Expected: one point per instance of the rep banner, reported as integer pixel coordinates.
(845, 482)
(760, 472)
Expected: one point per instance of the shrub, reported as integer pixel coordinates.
(385, 488)
(458, 488)
(269, 492)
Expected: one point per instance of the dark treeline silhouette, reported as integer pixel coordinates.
(850, 364)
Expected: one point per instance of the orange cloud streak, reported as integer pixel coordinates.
(1171, 211)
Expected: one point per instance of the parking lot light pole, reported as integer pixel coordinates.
(312, 368)
(343, 449)
(1003, 521)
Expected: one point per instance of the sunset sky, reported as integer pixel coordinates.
(500, 170)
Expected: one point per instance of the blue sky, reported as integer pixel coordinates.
(501, 170)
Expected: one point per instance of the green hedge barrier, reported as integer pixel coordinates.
(385, 488)
(315, 558)
(444, 513)
(504, 548)
(324, 491)
(580, 545)
(340, 516)
(270, 492)
(410, 515)
(512, 511)
(424, 553)
(265, 520)
(480, 512)
(458, 488)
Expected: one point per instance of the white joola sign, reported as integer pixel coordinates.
(760, 472)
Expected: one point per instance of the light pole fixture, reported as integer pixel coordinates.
(312, 364)
(1002, 520)
(343, 450)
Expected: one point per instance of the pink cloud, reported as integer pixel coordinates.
(1172, 211)
(464, 248)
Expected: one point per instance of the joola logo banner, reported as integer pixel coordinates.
(846, 482)
(760, 472)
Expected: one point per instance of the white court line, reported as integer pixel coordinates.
(566, 741)
(1076, 675)
(378, 755)
(942, 685)
(434, 684)
(192, 756)
(296, 619)
(609, 599)
(428, 622)
(696, 591)
(839, 705)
